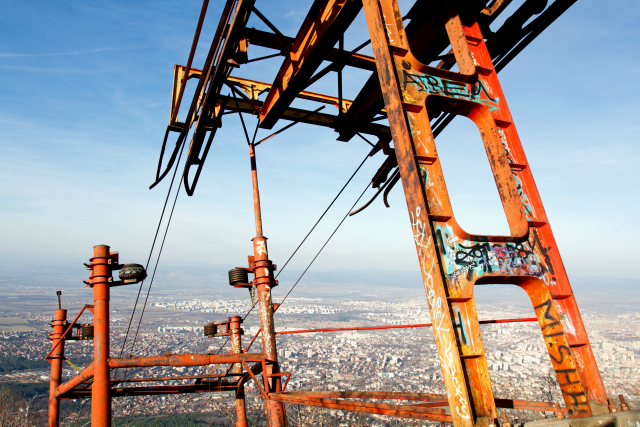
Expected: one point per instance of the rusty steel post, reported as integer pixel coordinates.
(56, 359)
(452, 366)
(236, 347)
(256, 192)
(263, 280)
(101, 388)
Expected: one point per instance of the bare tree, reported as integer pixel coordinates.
(14, 408)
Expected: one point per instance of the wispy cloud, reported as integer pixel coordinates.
(80, 52)
(295, 14)
(50, 70)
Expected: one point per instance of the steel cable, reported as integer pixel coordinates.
(152, 247)
(323, 214)
(156, 266)
(294, 252)
(325, 244)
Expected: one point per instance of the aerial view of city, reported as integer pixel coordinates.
(385, 213)
(396, 360)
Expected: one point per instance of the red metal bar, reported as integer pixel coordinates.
(157, 390)
(264, 281)
(284, 43)
(236, 347)
(256, 192)
(322, 28)
(171, 378)
(255, 379)
(59, 320)
(419, 325)
(101, 388)
(194, 45)
(173, 389)
(386, 29)
(411, 411)
(67, 330)
(86, 374)
(387, 395)
(183, 360)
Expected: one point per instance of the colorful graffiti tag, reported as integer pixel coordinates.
(466, 259)
(524, 198)
(476, 92)
(507, 150)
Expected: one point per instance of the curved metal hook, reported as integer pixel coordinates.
(380, 190)
(194, 152)
(172, 159)
(200, 162)
(394, 180)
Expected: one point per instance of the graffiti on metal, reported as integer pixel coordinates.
(507, 150)
(439, 314)
(468, 259)
(476, 92)
(562, 358)
(528, 209)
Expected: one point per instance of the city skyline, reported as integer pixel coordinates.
(86, 155)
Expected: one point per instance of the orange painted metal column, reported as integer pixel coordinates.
(56, 359)
(101, 388)
(384, 36)
(236, 347)
(452, 260)
(263, 280)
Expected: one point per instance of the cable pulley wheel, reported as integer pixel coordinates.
(238, 275)
(87, 332)
(132, 272)
(210, 329)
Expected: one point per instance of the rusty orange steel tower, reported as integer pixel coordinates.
(413, 88)
(451, 260)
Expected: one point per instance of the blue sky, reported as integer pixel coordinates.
(84, 102)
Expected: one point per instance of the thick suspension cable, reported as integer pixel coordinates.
(325, 243)
(156, 266)
(152, 247)
(312, 261)
(323, 214)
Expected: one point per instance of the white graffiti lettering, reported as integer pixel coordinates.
(438, 309)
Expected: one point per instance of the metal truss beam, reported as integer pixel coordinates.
(324, 25)
(306, 116)
(427, 40)
(284, 44)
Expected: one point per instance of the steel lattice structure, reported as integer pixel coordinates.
(418, 100)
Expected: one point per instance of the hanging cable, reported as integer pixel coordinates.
(323, 214)
(152, 247)
(156, 267)
(325, 243)
(303, 240)
(308, 234)
(312, 261)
